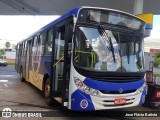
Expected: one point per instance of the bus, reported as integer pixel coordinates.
(88, 59)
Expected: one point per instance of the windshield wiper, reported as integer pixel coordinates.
(112, 49)
(131, 48)
(109, 41)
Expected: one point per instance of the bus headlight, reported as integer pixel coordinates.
(78, 83)
(95, 92)
(86, 89)
(81, 86)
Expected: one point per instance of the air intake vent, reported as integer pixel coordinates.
(118, 79)
(116, 92)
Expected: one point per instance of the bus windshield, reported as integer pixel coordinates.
(100, 49)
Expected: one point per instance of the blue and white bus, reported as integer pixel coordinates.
(88, 59)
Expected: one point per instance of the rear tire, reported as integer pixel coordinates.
(21, 75)
(47, 93)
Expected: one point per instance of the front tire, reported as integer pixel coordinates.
(47, 93)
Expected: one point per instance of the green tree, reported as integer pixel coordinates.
(156, 62)
(7, 44)
(158, 54)
(2, 51)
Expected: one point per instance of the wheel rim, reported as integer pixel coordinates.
(47, 89)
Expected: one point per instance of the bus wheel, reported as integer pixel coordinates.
(21, 75)
(47, 95)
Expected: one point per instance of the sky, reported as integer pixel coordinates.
(155, 33)
(153, 41)
(17, 28)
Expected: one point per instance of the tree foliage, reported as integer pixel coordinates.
(157, 59)
(158, 54)
(7, 44)
(2, 51)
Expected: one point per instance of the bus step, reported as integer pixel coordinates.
(56, 94)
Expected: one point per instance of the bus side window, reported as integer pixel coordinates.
(35, 42)
(48, 47)
(42, 42)
(17, 50)
(24, 47)
(20, 49)
(25, 51)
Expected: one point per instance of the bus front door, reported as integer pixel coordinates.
(61, 66)
(58, 64)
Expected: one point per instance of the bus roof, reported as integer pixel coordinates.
(63, 17)
(73, 12)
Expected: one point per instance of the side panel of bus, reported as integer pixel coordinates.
(47, 55)
(36, 68)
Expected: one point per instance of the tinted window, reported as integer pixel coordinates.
(48, 50)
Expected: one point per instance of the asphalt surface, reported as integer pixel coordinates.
(22, 96)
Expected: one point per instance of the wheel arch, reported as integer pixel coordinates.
(44, 80)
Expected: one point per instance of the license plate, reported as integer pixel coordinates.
(120, 101)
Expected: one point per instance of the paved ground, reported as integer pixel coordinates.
(23, 96)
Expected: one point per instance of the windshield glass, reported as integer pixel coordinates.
(115, 18)
(105, 50)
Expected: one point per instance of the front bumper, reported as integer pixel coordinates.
(81, 101)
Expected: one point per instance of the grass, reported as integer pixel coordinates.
(156, 75)
(11, 63)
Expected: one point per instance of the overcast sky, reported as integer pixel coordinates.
(16, 28)
(155, 33)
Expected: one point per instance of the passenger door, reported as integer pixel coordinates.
(59, 59)
(61, 63)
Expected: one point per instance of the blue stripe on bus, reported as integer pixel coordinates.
(111, 86)
(142, 100)
(149, 26)
(76, 101)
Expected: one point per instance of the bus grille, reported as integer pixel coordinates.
(116, 92)
(118, 79)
